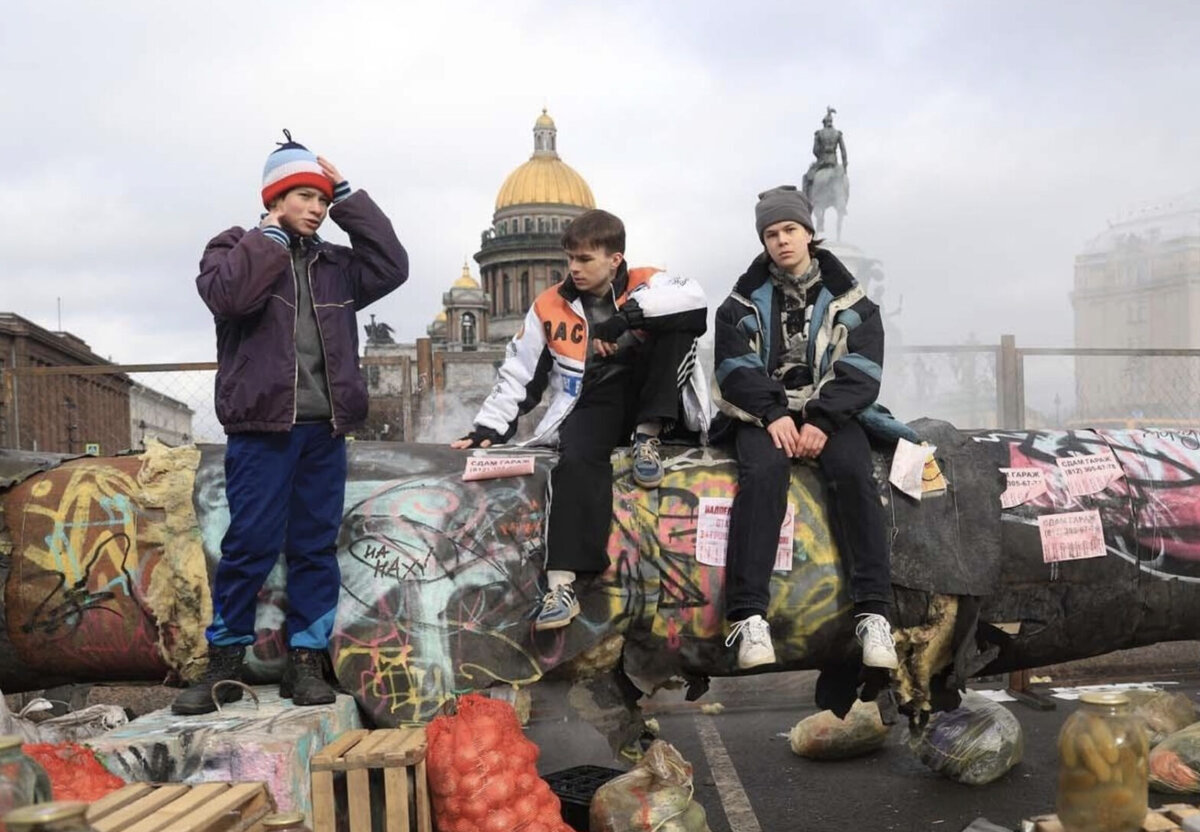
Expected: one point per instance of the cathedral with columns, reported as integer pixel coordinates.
(519, 254)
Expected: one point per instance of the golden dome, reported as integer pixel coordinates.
(440, 318)
(466, 281)
(545, 179)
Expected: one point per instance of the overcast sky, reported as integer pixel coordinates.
(988, 141)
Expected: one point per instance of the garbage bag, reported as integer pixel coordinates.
(653, 796)
(1164, 712)
(823, 736)
(1175, 762)
(75, 726)
(482, 772)
(976, 743)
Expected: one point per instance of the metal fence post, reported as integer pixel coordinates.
(1008, 384)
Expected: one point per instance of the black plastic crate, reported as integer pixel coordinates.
(575, 788)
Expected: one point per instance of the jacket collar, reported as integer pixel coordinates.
(834, 274)
(620, 283)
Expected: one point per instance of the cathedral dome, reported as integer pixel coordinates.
(466, 281)
(545, 179)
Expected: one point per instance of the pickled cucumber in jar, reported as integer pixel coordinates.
(1102, 781)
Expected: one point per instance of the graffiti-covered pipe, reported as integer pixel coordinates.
(111, 560)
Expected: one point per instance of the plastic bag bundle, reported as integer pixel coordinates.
(1175, 762)
(976, 743)
(76, 726)
(74, 771)
(653, 796)
(823, 736)
(483, 772)
(1164, 713)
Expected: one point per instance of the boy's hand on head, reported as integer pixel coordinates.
(272, 217)
(328, 168)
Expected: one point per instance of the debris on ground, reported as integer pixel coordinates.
(823, 736)
(976, 743)
(655, 796)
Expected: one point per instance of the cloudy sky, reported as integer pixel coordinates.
(988, 141)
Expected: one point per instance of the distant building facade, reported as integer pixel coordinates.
(58, 413)
(1137, 286)
(153, 415)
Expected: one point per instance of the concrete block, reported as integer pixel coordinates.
(271, 742)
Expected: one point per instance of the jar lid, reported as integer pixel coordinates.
(8, 741)
(45, 813)
(281, 820)
(1111, 697)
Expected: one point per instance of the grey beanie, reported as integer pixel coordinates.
(782, 203)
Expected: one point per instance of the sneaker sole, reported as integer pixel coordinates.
(648, 484)
(889, 664)
(771, 660)
(556, 625)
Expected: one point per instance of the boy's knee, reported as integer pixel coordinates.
(768, 467)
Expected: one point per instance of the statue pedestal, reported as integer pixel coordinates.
(864, 267)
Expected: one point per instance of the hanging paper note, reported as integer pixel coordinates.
(712, 533)
(1022, 485)
(1073, 535)
(908, 466)
(1089, 474)
(495, 467)
(932, 479)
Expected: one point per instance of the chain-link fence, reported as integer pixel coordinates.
(110, 409)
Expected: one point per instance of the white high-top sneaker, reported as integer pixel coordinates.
(756, 647)
(878, 647)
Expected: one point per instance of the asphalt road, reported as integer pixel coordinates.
(748, 779)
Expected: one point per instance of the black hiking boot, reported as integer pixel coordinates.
(304, 678)
(224, 663)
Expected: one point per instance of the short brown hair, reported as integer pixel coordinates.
(596, 229)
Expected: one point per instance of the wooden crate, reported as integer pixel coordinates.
(400, 754)
(1163, 819)
(176, 807)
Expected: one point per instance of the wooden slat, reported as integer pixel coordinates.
(133, 812)
(327, 757)
(121, 797)
(424, 815)
(411, 750)
(360, 756)
(358, 785)
(390, 741)
(181, 808)
(324, 816)
(248, 799)
(1155, 822)
(395, 797)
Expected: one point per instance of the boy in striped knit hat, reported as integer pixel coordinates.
(288, 390)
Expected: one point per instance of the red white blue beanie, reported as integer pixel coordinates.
(292, 165)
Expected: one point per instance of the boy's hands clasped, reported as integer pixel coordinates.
(805, 442)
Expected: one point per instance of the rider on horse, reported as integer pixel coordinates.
(826, 143)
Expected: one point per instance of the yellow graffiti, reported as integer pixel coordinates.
(92, 525)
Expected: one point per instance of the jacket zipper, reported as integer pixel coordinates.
(321, 336)
(295, 328)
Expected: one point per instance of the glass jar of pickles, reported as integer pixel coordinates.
(285, 822)
(1102, 775)
(22, 781)
(49, 817)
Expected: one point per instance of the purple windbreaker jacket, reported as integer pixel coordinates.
(247, 282)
